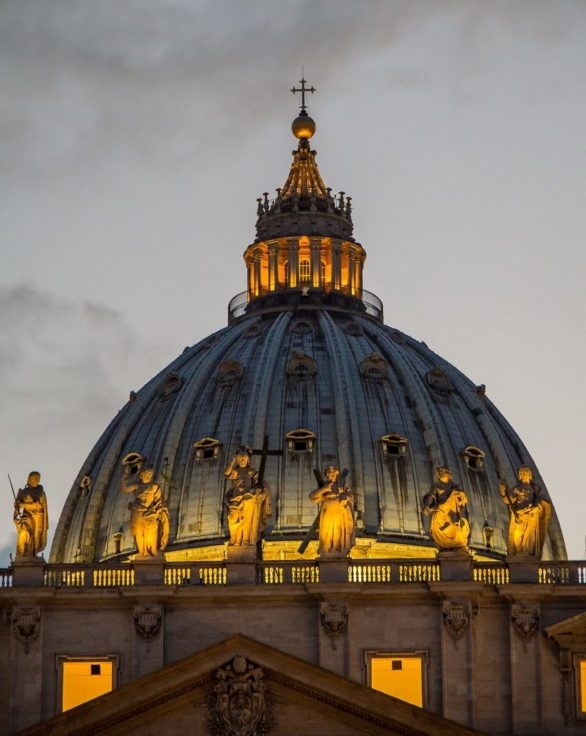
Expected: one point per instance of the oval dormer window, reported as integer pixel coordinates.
(474, 457)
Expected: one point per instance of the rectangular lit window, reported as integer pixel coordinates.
(581, 667)
(84, 679)
(400, 675)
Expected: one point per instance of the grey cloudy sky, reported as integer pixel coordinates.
(137, 135)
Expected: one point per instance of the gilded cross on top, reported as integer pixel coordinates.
(303, 89)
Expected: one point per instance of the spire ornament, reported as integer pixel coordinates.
(303, 126)
(303, 90)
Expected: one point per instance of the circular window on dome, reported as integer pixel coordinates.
(252, 331)
(301, 367)
(171, 384)
(474, 457)
(132, 462)
(302, 327)
(229, 372)
(353, 328)
(438, 381)
(374, 368)
(85, 485)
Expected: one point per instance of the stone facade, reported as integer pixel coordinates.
(489, 663)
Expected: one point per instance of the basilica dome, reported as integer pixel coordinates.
(306, 374)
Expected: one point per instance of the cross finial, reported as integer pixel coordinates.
(303, 89)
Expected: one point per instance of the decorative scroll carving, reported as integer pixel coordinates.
(240, 705)
(456, 616)
(26, 625)
(334, 620)
(525, 620)
(148, 620)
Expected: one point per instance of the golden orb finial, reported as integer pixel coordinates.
(303, 126)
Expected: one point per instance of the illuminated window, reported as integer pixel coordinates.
(304, 270)
(580, 671)
(83, 679)
(400, 675)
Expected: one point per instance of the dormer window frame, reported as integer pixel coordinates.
(300, 441)
(474, 458)
(394, 445)
(207, 448)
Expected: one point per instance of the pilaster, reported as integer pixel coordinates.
(525, 668)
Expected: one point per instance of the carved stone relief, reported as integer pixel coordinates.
(525, 620)
(334, 620)
(26, 624)
(456, 616)
(148, 620)
(239, 705)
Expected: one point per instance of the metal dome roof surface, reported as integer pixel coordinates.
(307, 362)
(368, 397)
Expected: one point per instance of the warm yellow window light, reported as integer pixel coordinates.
(401, 677)
(583, 685)
(84, 680)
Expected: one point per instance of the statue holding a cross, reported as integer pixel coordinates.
(248, 499)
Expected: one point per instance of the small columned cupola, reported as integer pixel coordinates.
(304, 237)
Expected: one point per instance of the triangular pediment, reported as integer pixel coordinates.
(240, 687)
(570, 632)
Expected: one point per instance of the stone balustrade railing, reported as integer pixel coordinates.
(268, 573)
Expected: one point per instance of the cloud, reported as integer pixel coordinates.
(65, 367)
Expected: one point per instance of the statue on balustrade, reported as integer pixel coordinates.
(149, 515)
(446, 503)
(336, 515)
(530, 514)
(248, 500)
(31, 517)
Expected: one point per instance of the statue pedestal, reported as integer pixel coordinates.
(29, 571)
(523, 569)
(149, 570)
(241, 564)
(333, 570)
(456, 564)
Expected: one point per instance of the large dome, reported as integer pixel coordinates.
(307, 362)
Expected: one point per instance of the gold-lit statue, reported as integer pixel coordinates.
(31, 517)
(248, 500)
(336, 516)
(149, 516)
(446, 503)
(530, 514)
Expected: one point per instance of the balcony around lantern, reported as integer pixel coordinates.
(325, 297)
